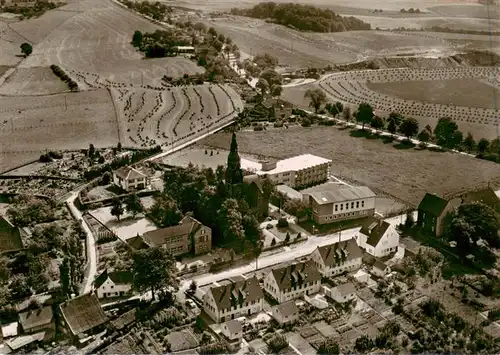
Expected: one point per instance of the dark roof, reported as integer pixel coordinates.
(329, 252)
(83, 313)
(374, 230)
(296, 274)
(432, 204)
(253, 179)
(287, 309)
(379, 265)
(118, 277)
(10, 237)
(37, 317)
(486, 196)
(137, 243)
(160, 236)
(239, 292)
(125, 319)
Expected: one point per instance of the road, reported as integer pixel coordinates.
(90, 245)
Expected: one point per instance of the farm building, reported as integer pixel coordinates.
(334, 259)
(255, 197)
(38, 320)
(298, 171)
(242, 297)
(333, 202)
(188, 236)
(378, 238)
(286, 313)
(113, 284)
(432, 210)
(343, 293)
(130, 178)
(292, 281)
(10, 237)
(82, 315)
(380, 269)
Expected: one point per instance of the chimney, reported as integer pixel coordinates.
(373, 225)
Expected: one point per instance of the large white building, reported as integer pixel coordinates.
(378, 238)
(299, 171)
(334, 259)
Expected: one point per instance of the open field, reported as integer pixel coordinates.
(469, 10)
(356, 87)
(30, 125)
(9, 42)
(33, 81)
(405, 174)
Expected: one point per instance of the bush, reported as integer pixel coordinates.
(277, 343)
(282, 223)
(258, 128)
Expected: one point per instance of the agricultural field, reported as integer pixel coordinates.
(405, 174)
(32, 81)
(33, 124)
(9, 42)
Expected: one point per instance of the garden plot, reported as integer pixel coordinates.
(31, 125)
(33, 81)
(404, 174)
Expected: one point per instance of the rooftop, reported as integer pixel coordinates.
(296, 163)
(35, 318)
(234, 326)
(287, 309)
(239, 292)
(288, 191)
(118, 278)
(346, 289)
(432, 204)
(379, 265)
(374, 230)
(332, 254)
(83, 313)
(333, 193)
(160, 236)
(296, 274)
(129, 173)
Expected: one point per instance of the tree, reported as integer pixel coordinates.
(328, 347)
(482, 145)
(234, 174)
(364, 114)
(346, 113)
(377, 122)
(392, 127)
(363, 344)
(424, 136)
(317, 98)
(409, 127)
(200, 27)
(133, 205)
(231, 224)
(271, 76)
(19, 288)
(193, 286)
(137, 38)
(263, 85)
(153, 270)
(26, 49)
(117, 208)
(212, 31)
(91, 151)
(276, 90)
(469, 143)
(475, 221)
(287, 238)
(165, 211)
(64, 275)
(277, 343)
(447, 133)
(4, 270)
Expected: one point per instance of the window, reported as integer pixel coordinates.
(341, 206)
(357, 204)
(347, 206)
(352, 205)
(362, 203)
(336, 208)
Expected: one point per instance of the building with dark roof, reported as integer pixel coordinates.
(257, 200)
(286, 313)
(113, 284)
(292, 281)
(233, 299)
(137, 243)
(432, 210)
(10, 237)
(132, 178)
(189, 236)
(337, 258)
(82, 315)
(380, 268)
(232, 334)
(378, 238)
(486, 196)
(37, 320)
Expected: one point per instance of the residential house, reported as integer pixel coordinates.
(332, 202)
(286, 313)
(10, 237)
(292, 281)
(432, 211)
(82, 315)
(378, 238)
(233, 299)
(189, 236)
(380, 268)
(299, 171)
(38, 320)
(132, 178)
(257, 200)
(337, 258)
(486, 196)
(343, 293)
(113, 284)
(232, 332)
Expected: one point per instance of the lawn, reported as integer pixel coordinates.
(405, 174)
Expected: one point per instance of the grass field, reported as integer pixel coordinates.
(447, 92)
(33, 81)
(404, 174)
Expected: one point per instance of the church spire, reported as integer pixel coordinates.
(234, 174)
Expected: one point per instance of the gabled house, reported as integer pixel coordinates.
(38, 320)
(486, 196)
(232, 332)
(82, 315)
(432, 211)
(343, 293)
(286, 313)
(113, 284)
(233, 299)
(137, 243)
(10, 237)
(380, 268)
(257, 201)
(336, 258)
(188, 236)
(378, 238)
(132, 178)
(292, 281)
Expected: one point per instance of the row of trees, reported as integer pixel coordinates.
(303, 17)
(155, 10)
(73, 86)
(33, 10)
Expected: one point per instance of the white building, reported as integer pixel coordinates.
(286, 313)
(130, 178)
(343, 293)
(298, 171)
(234, 299)
(337, 258)
(113, 284)
(380, 269)
(292, 281)
(378, 238)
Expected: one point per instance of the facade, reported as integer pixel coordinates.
(37, 320)
(378, 238)
(233, 299)
(337, 258)
(130, 178)
(82, 315)
(299, 171)
(380, 269)
(432, 211)
(113, 284)
(232, 330)
(189, 236)
(343, 293)
(333, 202)
(255, 197)
(292, 281)
(286, 313)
